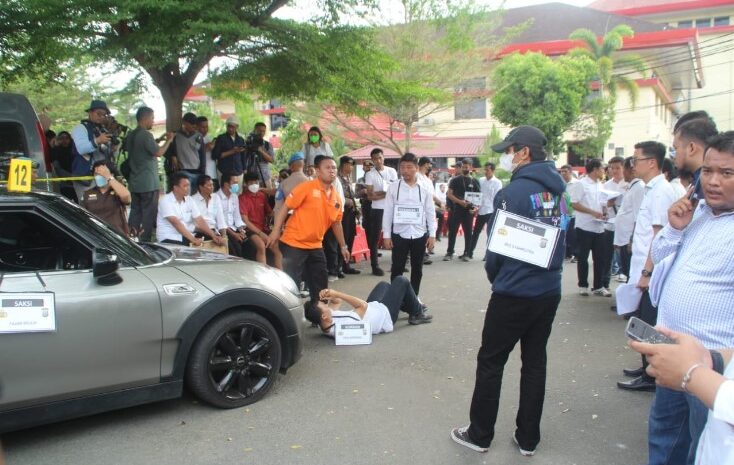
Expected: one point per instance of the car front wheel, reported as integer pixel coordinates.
(235, 360)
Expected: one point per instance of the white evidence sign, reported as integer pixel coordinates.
(523, 239)
(351, 333)
(27, 312)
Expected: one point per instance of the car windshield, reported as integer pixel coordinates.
(100, 233)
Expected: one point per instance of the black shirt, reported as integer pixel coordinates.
(459, 185)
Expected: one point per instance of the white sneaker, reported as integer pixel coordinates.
(603, 292)
(333, 278)
(584, 291)
(523, 452)
(621, 278)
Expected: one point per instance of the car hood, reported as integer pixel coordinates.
(221, 273)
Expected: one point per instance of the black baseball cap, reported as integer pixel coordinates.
(527, 136)
(423, 160)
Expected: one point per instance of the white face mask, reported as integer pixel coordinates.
(506, 162)
(253, 188)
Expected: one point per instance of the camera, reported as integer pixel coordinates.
(254, 142)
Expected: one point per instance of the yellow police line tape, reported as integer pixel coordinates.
(73, 178)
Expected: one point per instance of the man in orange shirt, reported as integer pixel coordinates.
(316, 206)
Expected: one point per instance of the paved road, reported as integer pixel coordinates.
(393, 402)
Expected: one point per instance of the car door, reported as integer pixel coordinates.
(106, 337)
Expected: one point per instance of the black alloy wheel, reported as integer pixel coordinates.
(235, 360)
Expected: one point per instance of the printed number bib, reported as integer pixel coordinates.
(405, 214)
(475, 198)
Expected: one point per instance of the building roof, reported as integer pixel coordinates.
(649, 7)
(556, 21)
(435, 147)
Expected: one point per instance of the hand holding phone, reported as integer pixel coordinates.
(643, 332)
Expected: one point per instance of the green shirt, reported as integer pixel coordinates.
(142, 151)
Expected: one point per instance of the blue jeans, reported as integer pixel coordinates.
(676, 422)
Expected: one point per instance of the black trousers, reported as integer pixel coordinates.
(143, 213)
(396, 295)
(571, 249)
(349, 226)
(509, 320)
(439, 224)
(373, 236)
(331, 251)
(608, 255)
(478, 226)
(460, 216)
(625, 258)
(401, 249)
(648, 314)
(590, 242)
(236, 248)
(308, 265)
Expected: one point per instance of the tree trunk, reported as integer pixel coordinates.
(173, 96)
(408, 131)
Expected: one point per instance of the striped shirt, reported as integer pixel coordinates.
(698, 294)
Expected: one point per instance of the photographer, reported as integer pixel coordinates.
(259, 154)
(228, 149)
(92, 143)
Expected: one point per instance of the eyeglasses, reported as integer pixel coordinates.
(635, 160)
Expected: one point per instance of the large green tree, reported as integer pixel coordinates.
(171, 40)
(537, 90)
(596, 122)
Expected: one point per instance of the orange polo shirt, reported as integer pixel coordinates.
(313, 214)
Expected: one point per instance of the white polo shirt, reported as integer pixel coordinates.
(380, 180)
(186, 211)
(586, 192)
(659, 196)
(489, 188)
(211, 211)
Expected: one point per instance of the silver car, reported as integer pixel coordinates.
(91, 321)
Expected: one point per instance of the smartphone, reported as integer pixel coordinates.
(643, 332)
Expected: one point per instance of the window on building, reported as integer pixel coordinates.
(703, 22)
(470, 100)
(619, 152)
(721, 21)
(278, 121)
(685, 24)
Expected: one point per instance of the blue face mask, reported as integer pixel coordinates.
(100, 180)
(234, 188)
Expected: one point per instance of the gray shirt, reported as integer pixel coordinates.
(265, 165)
(187, 150)
(143, 161)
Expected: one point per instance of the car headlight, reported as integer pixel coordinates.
(287, 282)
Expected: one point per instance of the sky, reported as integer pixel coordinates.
(391, 10)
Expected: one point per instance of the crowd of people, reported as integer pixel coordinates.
(657, 222)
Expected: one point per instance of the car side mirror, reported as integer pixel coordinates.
(104, 267)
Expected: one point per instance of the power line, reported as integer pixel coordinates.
(630, 109)
(722, 49)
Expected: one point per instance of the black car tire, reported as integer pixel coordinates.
(223, 372)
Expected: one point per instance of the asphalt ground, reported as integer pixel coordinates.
(393, 402)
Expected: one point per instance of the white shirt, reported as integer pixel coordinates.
(716, 445)
(426, 182)
(186, 211)
(659, 196)
(442, 195)
(210, 168)
(402, 194)
(230, 210)
(570, 186)
(211, 211)
(489, 188)
(586, 192)
(680, 191)
(380, 180)
(377, 314)
(624, 225)
(614, 186)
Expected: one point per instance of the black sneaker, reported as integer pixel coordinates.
(461, 436)
(377, 271)
(448, 257)
(351, 270)
(419, 319)
(523, 452)
(465, 258)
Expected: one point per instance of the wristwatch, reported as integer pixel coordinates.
(646, 273)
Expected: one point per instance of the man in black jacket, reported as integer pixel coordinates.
(524, 297)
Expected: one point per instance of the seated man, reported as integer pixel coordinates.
(178, 216)
(255, 210)
(210, 207)
(108, 199)
(228, 198)
(381, 309)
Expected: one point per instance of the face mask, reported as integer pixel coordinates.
(253, 188)
(235, 189)
(506, 162)
(314, 138)
(100, 180)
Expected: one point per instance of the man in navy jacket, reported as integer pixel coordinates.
(524, 298)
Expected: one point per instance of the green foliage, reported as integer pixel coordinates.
(536, 90)
(292, 138)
